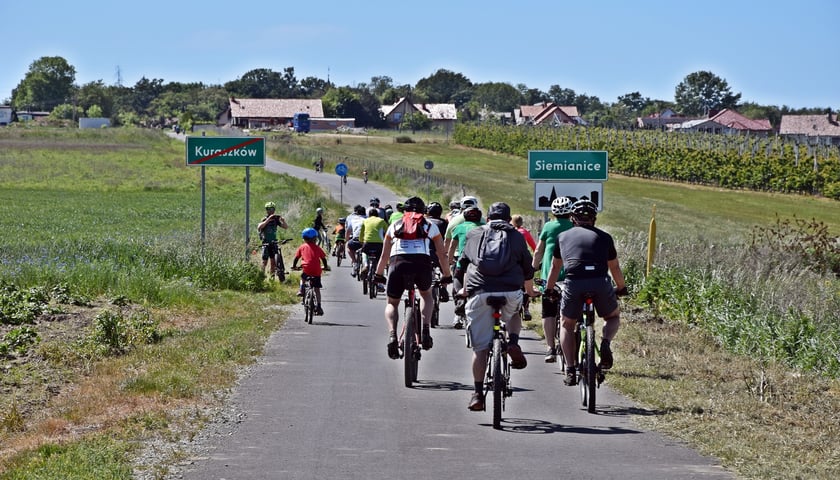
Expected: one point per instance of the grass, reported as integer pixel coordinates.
(121, 226)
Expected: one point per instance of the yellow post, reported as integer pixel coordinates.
(651, 242)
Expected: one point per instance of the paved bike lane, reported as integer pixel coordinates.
(325, 401)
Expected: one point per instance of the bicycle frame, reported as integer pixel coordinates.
(590, 375)
(410, 335)
(309, 301)
(497, 374)
(436, 287)
(369, 284)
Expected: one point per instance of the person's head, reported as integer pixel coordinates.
(517, 220)
(414, 204)
(309, 234)
(472, 214)
(373, 212)
(342, 221)
(374, 202)
(434, 210)
(454, 205)
(319, 210)
(400, 207)
(270, 207)
(561, 207)
(359, 210)
(499, 211)
(584, 212)
(469, 201)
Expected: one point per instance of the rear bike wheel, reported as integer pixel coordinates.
(339, 255)
(409, 347)
(498, 383)
(588, 385)
(308, 310)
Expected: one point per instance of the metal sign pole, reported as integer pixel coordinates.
(203, 205)
(247, 211)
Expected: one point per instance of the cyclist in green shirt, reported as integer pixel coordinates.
(268, 235)
(371, 234)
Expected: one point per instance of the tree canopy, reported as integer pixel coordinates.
(47, 84)
(703, 91)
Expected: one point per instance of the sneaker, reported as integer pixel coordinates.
(476, 402)
(457, 324)
(426, 338)
(393, 347)
(526, 315)
(319, 311)
(517, 359)
(606, 357)
(550, 355)
(380, 288)
(571, 377)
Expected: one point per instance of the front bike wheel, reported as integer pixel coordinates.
(498, 384)
(371, 287)
(409, 347)
(338, 256)
(590, 373)
(435, 321)
(280, 270)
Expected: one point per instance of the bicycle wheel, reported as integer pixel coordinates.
(280, 267)
(589, 384)
(409, 345)
(435, 321)
(308, 310)
(498, 384)
(339, 254)
(371, 285)
(365, 286)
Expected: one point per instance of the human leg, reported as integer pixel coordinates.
(391, 318)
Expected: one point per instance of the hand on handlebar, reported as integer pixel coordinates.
(379, 278)
(446, 280)
(297, 268)
(622, 293)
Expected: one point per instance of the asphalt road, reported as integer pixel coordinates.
(325, 401)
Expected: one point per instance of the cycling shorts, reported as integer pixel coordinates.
(416, 267)
(270, 249)
(372, 249)
(480, 316)
(316, 281)
(354, 244)
(550, 307)
(574, 289)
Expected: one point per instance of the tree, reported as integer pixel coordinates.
(314, 87)
(561, 96)
(48, 83)
(532, 96)
(257, 83)
(703, 91)
(442, 86)
(497, 96)
(634, 101)
(95, 93)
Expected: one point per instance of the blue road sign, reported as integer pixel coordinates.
(341, 169)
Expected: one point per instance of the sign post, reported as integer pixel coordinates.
(341, 171)
(429, 165)
(226, 152)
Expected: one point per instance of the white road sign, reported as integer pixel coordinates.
(546, 192)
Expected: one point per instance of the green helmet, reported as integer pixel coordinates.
(270, 205)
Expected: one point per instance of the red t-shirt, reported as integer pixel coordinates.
(528, 238)
(310, 256)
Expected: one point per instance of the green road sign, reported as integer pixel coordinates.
(586, 165)
(226, 151)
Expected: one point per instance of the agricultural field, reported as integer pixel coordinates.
(120, 329)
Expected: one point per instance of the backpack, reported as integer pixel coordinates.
(493, 252)
(412, 226)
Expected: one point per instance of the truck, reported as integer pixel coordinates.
(300, 122)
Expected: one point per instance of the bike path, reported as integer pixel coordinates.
(325, 401)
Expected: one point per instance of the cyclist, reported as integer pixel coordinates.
(518, 222)
(365, 175)
(374, 202)
(395, 214)
(371, 234)
(318, 224)
(588, 255)
(338, 236)
(433, 212)
(409, 258)
(352, 225)
(561, 208)
(454, 209)
(466, 201)
(268, 235)
(478, 285)
(472, 219)
(313, 262)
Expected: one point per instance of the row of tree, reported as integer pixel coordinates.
(49, 85)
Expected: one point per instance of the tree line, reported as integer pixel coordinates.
(50, 85)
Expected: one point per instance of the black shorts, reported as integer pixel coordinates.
(316, 281)
(574, 289)
(354, 244)
(269, 249)
(372, 249)
(405, 269)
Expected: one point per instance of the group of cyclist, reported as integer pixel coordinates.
(570, 251)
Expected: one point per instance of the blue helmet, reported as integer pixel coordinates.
(309, 233)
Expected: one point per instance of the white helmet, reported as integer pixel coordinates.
(469, 201)
(319, 210)
(561, 206)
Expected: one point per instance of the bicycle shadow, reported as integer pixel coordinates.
(532, 426)
(331, 324)
(444, 386)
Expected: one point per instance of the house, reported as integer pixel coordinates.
(549, 114)
(442, 115)
(660, 120)
(5, 115)
(257, 113)
(726, 121)
(823, 129)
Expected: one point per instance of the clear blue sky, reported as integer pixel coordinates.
(773, 52)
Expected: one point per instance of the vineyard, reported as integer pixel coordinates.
(728, 161)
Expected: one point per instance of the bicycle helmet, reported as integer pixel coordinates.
(342, 220)
(374, 202)
(472, 214)
(434, 209)
(454, 205)
(309, 233)
(561, 206)
(319, 210)
(469, 200)
(270, 205)
(414, 204)
(584, 210)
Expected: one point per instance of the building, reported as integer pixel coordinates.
(726, 121)
(270, 113)
(442, 115)
(660, 120)
(811, 129)
(547, 114)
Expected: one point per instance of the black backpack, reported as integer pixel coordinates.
(493, 251)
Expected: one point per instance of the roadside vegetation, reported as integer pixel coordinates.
(117, 328)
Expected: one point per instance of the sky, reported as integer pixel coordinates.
(772, 52)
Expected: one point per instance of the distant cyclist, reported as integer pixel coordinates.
(353, 225)
(372, 234)
(338, 232)
(318, 225)
(268, 235)
(589, 257)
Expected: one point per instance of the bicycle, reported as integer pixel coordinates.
(369, 284)
(497, 374)
(279, 267)
(357, 264)
(324, 239)
(309, 302)
(437, 287)
(409, 339)
(339, 252)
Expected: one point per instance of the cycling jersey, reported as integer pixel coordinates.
(372, 230)
(418, 246)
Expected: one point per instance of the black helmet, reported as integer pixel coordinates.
(472, 214)
(374, 202)
(454, 205)
(414, 204)
(434, 209)
(584, 210)
(359, 210)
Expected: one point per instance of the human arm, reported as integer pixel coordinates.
(443, 258)
(281, 222)
(386, 255)
(617, 275)
(538, 254)
(553, 273)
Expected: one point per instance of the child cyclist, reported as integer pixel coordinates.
(338, 231)
(313, 262)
